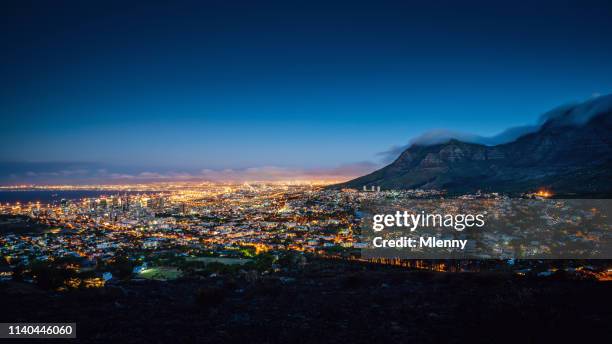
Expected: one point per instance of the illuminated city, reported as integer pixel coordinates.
(233, 223)
(306, 171)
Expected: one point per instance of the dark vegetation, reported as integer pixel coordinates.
(325, 301)
(20, 224)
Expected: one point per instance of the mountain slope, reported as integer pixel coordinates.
(570, 153)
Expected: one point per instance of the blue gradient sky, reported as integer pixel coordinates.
(295, 84)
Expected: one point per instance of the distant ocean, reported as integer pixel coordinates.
(54, 196)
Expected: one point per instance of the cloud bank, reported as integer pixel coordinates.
(15, 173)
(570, 114)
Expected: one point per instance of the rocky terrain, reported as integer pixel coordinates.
(570, 153)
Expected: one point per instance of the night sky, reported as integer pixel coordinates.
(108, 91)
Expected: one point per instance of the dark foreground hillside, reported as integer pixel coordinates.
(327, 302)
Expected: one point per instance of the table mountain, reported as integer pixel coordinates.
(570, 153)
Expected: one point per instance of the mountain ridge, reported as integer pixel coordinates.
(570, 153)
